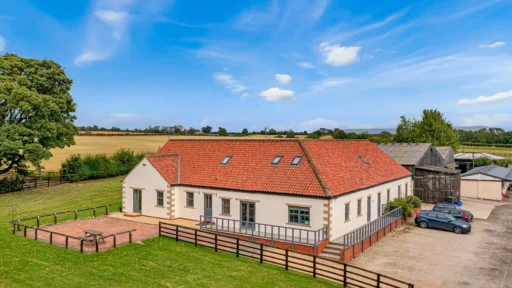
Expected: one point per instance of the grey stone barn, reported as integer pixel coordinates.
(433, 182)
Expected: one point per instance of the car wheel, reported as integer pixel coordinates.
(457, 230)
(423, 224)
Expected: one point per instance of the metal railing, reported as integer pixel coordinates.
(266, 231)
(392, 213)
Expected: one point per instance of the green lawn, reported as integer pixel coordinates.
(158, 262)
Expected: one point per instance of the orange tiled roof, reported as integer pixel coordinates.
(337, 164)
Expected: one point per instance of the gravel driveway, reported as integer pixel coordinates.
(434, 258)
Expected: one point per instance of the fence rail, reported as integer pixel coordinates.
(348, 275)
(266, 231)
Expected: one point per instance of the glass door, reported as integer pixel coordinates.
(247, 214)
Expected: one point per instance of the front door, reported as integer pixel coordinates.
(137, 201)
(247, 214)
(378, 205)
(369, 207)
(208, 206)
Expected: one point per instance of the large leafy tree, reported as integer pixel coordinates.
(431, 128)
(36, 112)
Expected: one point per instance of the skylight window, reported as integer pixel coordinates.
(364, 160)
(296, 160)
(226, 160)
(277, 159)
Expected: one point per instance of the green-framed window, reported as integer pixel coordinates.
(298, 215)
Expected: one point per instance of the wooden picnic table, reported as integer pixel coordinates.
(93, 235)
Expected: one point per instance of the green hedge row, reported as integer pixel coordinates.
(11, 183)
(79, 168)
(486, 145)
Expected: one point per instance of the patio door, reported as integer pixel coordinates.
(378, 205)
(369, 208)
(137, 201)
(208, 206)
(247, 214)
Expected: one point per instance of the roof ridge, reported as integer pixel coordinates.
(315, 169)
(161, 155)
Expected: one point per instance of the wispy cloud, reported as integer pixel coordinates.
(2, 44)
(277, 94)
(337, 55)
(306, 65)
(485, 99)
(284, 79)
(318, 123)
(319, 9)
(254, 19)
(493, 45)
(245, 95)
(125, 116)
(213, 53)
(227, 81)
(487, 120)
(330, 82)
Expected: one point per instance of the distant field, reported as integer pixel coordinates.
(499, 151)
(109, 144)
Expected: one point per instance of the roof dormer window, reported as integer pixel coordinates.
(364, 160)
(296, 161)
(276, 160)
(225, 161)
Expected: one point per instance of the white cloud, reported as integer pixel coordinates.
(487, 120)
(337, 55)
(318, 123)
(277, 94)
(284, 78)
(493, 45)
(2, 43)
(330, 82)
(306, 65)
(228, 82)
(484, 99)
(87, 57)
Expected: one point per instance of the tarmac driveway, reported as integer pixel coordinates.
(434, 258)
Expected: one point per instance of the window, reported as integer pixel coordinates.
(347, 212)
(190, 199)
(277, 159)
(226, 206)
(159, 198)
(399, 191)
(387, 199)
(364, 160)
(299, 215)
(431, 215)
(226, 160)
(296, 160)
(359, 207)
(406, 188)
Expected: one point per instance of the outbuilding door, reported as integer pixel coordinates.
(137, 201)
(369, 207)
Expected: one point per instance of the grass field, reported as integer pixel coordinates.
(499, 151)
(109, 144)
(157, 262)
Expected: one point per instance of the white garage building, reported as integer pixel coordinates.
(486, 182)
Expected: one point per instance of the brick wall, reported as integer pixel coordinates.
(287, 245)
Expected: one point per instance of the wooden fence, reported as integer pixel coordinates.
(18, 226)
(345, 274)
(46, 179)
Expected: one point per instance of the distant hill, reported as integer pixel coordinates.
(375, 131)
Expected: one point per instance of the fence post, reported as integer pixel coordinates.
(96, 244)
(261, 253)
(314, 266)
(35, 183)
(19, 222)
(67, 240)
(106, 209)
(115, 240)
(344, 274)
(24, 231)
(51, 238)
(35, 234)
(81, 245)
(37, 221)
(286, 259)
(13, 228)
(54, 218)
(76, 214)
(237, 247)
(159, 228)
(94, 212)
(130, 237)
(215, 242)
(177, 233)
(195, 237)
(378, 280)
(48, 180)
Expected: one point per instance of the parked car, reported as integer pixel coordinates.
(443, 221)
(441, 206)
(457, 213)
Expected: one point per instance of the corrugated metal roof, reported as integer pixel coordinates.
(438, 169)
(491, 170)
(405, 153)
(471, 156)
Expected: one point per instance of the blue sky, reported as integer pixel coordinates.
(283, 64)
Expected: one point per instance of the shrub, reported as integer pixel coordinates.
(413, 200)
(290, 134)
(100, 166)
(11, 183)
(482, 161)
(72, 167)
(407, 208)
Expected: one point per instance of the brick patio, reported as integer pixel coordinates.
(104, 224)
